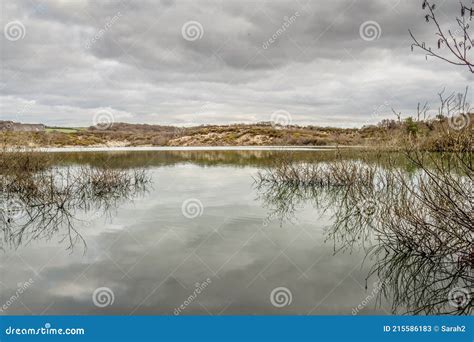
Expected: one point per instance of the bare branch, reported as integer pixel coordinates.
(458, 44)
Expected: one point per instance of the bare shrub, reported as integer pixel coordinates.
(416, 223)
(42, 202)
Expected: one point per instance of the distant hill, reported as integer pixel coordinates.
(430, 133)
(20, 127)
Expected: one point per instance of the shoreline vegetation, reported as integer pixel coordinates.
(444, 133)
(415, 226)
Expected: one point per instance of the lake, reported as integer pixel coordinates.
(201, 238)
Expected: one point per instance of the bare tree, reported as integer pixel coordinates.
(398, 115)
(421, 111)
(454, 47)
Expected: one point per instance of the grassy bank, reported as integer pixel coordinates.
(436, 135)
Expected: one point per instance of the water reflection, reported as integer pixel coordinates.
(151, 255)
(45, 204)
(416, 228)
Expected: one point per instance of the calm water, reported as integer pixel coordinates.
(201, 224)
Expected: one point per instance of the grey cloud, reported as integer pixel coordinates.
(130, 56)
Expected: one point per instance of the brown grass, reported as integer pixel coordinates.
(432, 135)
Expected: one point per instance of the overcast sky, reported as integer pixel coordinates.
(340, 63)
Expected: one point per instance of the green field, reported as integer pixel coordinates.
(62, 129)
